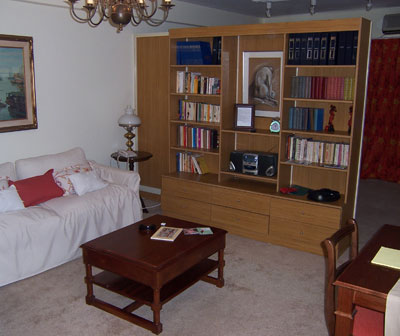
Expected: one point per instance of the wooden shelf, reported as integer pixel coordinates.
(144, 294)
(195, 150)
(193, 122)
(314, 166)
(325, 101)
(336, 134)
(251, 177)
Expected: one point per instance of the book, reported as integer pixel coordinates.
(197, 231)
(354, 48)
(303, 49)
(309, 49)
(193, 52)
(323, 49)
(387, 257)
(316, 48)
(290, 59)
(203, 165)
(341, 48)
(166, 233)
(332, 48)
(216, 50)
(297, 49)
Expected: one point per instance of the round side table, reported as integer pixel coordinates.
(140, 156)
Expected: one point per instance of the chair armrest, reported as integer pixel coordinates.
(127, 178)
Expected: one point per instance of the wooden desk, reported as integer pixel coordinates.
(366, 284)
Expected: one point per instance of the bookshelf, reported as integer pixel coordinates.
(254, 204)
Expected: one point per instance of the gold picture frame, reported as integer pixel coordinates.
(262, 82)
(17, 84)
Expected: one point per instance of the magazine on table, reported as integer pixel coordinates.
(166, 233)
(197, 231)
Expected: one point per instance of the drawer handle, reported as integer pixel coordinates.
(238, 200)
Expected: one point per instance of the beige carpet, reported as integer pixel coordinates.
(270, 291)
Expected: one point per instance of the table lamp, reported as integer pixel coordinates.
(129, 120)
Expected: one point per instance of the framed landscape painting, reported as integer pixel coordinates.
(262, 78)
(17, 84)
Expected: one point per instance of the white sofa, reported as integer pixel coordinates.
(40, 237)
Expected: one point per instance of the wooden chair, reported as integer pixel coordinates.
(366, 321)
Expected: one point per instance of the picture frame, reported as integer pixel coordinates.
(244, 117)
(17, 84)
(262, 82)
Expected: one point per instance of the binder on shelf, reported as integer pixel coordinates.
(303, 49)
(309, 49)
(332, 51)
(323, 54)
(216, 50)
(290, 59)
(341, 48)
(349, 48)
(354, 48)
(297, 48)
(316, 48)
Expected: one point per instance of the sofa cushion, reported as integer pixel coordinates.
(86, 181)
(37, 189)
(62, 177)
(40, 164)
(7, 171)
(10, 200)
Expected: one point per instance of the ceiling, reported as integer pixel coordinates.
(256, 8)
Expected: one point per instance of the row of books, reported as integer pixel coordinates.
(317, 87)
(308, 151)
(198, 52)
(195, 111)
(306, 118)
(197, 137)
(333, 48)
(191, 163)
(194, 82)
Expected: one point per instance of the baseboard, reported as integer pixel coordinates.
(150, 196)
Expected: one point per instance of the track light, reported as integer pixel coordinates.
(313, 3)
(268, 9)
(368, 6)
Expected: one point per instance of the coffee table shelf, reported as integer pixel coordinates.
(144, 294)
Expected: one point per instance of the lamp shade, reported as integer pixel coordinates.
(129, 118)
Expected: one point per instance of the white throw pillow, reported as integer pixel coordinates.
(10, 200)
(3, 183)
(61, 177)
(86, 181)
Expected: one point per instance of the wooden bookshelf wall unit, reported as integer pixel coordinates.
(249, 205)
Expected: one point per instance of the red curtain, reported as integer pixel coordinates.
(381, 143)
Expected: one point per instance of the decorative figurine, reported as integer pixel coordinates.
(329, 127)
(350, 118)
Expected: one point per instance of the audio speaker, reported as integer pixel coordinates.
(267, 164)
(236, 162)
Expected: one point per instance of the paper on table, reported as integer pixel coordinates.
(392, 314)
(387, 257)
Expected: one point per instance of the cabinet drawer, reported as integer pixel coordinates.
(192, 210)
(186, 189)
(241, 200)
(238, 221)
(298, 234)
(307, 213)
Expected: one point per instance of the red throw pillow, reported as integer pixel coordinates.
(37, 189)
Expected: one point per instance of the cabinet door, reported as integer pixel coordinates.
(186, 209)
(318, 215)
(240, 222)
(152, 72)
(298, 235)
(241, 200)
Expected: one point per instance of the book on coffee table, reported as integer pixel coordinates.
(166, 233)
(197, 231)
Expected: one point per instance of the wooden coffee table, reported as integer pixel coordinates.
(150, 272)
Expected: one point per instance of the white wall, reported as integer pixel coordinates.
(84, 76)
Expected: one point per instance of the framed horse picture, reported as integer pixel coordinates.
(262, 78)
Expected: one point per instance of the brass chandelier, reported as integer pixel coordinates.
(121, 12)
